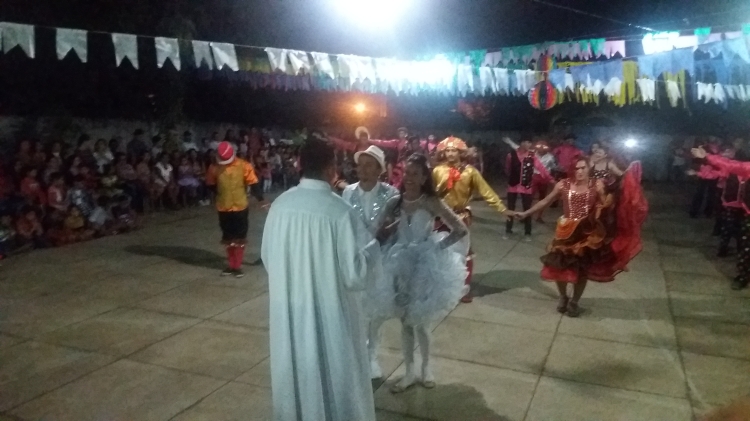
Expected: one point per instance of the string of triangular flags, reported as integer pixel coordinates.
(623, 81)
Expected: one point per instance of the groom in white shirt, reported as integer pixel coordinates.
(368, 198)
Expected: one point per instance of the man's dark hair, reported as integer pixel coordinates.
(315, 157)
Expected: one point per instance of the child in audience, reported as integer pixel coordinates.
(57, 198)
(101, 219)
(265, 174)
(80, 197)
(127, 219)
(75, 226)
(187, 180)
(29, 231)
(31, 190)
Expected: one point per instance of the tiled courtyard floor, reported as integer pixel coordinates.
(140, 327)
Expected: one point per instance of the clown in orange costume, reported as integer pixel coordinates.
(456, 182)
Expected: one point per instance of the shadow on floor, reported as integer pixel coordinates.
(446, 402)
(185, 255)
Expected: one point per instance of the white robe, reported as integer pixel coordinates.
(317, 261)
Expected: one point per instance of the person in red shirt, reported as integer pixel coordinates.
(565, 155)
(31, 190)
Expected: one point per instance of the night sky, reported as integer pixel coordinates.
(429, 26)
(98, 89)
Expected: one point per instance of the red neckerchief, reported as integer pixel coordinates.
(454, 174)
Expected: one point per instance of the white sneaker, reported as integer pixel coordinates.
(527, 238)
(506, 236)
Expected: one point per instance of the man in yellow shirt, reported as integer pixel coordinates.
(456, 182)
(230, 177)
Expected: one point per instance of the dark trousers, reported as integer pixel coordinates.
(743, 255)
(706, 189)
(731, 226)
(526, 200)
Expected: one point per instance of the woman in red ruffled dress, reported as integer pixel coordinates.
(583, 248)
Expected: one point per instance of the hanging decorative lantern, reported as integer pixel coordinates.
(543, 96)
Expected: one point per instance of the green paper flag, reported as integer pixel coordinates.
(597, 46)
(746, 29)
(702, 34)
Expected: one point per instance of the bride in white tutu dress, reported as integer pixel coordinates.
(424, 269)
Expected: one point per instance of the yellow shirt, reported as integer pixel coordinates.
(463, 190)
(231, 183)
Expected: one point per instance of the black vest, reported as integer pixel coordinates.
(521, 172)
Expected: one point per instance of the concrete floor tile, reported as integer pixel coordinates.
(689, 264)
(716, 380)
(512, 311)
(8, 341)
(197, 300)
(702, 284)
(381, 415)
(619, 325)
(233, 402)
(29, 369)
(464, 391)
(260, 375)
(125, 390)
(612, 364)
(119, 332)
(557, 399)
(491, 344)
(711, 307)
(33, 317)
(252, 313)
(714, 338)
(211, 348)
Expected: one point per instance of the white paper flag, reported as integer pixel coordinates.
(300, 61)
(323, 64)
(72, 39)
(201, 53)
(225, 55)
(126, 47)
(15, 34)
(167, 49)
(279, 58)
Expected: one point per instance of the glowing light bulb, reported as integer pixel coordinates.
(360, 108)
(631, 143)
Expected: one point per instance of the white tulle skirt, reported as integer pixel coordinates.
(421, 282)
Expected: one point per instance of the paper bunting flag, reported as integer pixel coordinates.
(486, 80)
(279, 59)
(323, 64)
(72, 39)
(126, 47)
(300, 61)
(202, 53)
(167, 49)
(17, 35)
(501, 81)
(225, 55)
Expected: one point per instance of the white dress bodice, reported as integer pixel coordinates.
(415, 227)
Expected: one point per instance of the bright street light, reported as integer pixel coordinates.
(631, 143)
(360, 108)
(381, 11)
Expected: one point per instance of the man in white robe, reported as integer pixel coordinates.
(317, 261)
(368, 197)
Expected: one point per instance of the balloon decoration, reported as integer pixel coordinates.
(543, 96)
(476, 110)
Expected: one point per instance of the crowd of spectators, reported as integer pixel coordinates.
(53, 193)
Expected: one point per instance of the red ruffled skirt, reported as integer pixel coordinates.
(598, 249)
